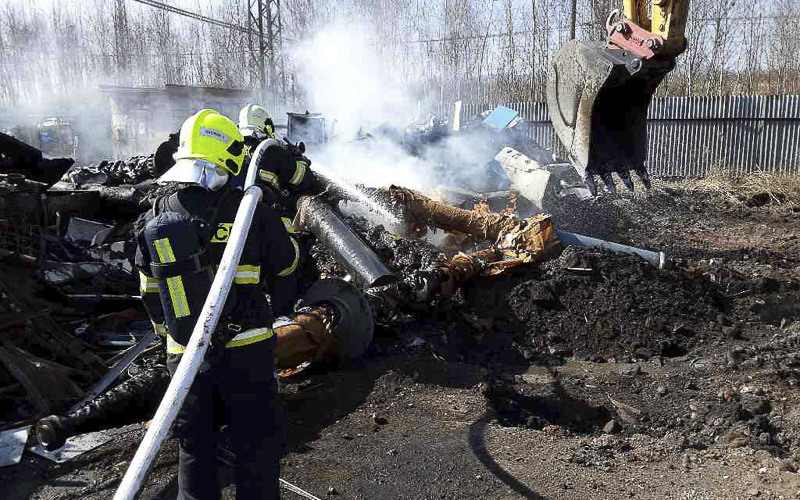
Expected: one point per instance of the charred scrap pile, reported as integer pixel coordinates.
(78, 353)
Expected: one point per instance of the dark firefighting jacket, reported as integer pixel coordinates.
(282, 167)
(270, 258)
(284, 174)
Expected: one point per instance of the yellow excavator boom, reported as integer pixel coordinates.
(668, 20)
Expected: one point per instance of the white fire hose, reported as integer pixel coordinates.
(198, 343)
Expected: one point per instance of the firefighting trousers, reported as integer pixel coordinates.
(239, 387)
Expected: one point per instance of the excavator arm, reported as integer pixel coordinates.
(598, 93)
(665, 25)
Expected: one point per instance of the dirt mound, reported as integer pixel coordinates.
(599, 306)
(624, 218)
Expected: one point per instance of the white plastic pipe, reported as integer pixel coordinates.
(198, 343)
(657, 259)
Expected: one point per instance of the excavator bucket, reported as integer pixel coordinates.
(598, 97)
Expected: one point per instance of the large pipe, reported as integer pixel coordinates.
(130, 355)
(317, 217)
(198, 343)
(657, 259)
(131, 401)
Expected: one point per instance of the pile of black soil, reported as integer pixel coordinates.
(601, 306)
(681, 223)
(615, 216)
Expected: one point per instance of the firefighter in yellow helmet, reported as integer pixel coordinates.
(179, 243)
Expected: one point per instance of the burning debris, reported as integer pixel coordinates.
(82, 257)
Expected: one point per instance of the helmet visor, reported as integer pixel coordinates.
(193, 171)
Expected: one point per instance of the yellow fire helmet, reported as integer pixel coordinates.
(210, 148)
(252, 121)
(210, 136)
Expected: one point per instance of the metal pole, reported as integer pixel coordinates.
(262, 50)
(198, 343)
(572, 15)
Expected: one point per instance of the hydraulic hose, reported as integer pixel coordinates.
(198, 343)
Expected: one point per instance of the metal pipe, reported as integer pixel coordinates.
(130, 355)
(317, 217)
(299, 491)
(198, 343)
(657, 259)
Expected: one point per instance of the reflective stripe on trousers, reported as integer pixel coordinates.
(246, 337)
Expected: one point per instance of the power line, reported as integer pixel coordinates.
(202, 18)
(42, 54)
(196, 16)
(587, 25)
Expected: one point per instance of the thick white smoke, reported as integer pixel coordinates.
(344, 76)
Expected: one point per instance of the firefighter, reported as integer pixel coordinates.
(255, 125)
(285, 168)
(284, 172)
(284, 175)
(182, 240)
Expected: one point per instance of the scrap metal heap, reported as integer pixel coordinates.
(59, 261)
(332, 327)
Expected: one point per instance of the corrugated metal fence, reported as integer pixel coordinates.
(690, 136)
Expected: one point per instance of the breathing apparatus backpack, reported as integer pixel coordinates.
(178, 248)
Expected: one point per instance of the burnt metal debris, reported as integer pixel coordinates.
(77, 352)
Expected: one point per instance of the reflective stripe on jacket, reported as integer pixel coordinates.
(270, 254)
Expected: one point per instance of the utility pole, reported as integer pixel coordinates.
(119, 16)
(264, 22)
(572, 12)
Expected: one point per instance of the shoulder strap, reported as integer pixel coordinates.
(215, 214)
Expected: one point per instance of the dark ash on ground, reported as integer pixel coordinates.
(515, 385)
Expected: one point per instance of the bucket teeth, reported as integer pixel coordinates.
(609, 182)
(645, 177)
(626, 179)
(589, 179)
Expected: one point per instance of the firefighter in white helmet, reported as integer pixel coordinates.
(284, 171)
(255, 125)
